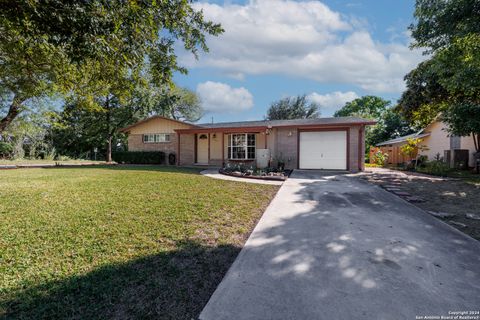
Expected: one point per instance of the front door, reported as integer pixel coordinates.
(202, 148)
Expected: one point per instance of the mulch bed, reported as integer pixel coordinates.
(271, 178)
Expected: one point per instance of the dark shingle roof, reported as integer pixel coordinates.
(419, 134)
(295, 122)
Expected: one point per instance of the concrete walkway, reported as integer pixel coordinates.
(213, 173)
(335, 247)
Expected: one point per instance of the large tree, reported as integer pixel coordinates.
(293, 108)
(175, 102)
(45, 44)
(423, 98)
(447, 85)
(390, 124)
(368, 107)
(438, 23)
(77, 131)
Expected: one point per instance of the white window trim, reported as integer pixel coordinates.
(155, 138)
(230, 146)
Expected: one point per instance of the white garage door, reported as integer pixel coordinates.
(323, 150)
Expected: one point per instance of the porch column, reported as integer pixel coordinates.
(208, 161)
(223, 149)
(178, 148)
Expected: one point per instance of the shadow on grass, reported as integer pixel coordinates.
(170, 285)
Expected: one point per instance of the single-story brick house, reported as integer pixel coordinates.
(439, 144)
(323, 143)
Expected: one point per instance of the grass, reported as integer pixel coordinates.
(45, 162)
(118, 242)
(372, 165)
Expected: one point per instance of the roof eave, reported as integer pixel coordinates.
(220, 129)
(400, 140)
(128, 128)
(267, 126)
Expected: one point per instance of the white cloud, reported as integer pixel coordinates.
(236, 75)
(331, 102)
(303, 39)
(220, 97)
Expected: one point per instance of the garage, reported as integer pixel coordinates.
(323, 150)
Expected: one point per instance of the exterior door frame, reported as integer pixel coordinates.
(346, 129)
(199, 146)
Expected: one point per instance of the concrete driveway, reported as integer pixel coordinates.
(331, 246)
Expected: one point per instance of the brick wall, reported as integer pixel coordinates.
(135, 143)
(187, 149)
(353, 152)
(286, 146)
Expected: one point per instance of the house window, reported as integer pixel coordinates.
(156, 137)
(241, 146)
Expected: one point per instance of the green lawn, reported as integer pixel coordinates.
(118, 242)
(45, 162)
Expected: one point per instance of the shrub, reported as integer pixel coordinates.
(380, 158)
(172, 159)
(412, 148)
(422, 160)
(139, 157)
(6, 150)
(63, 158)
(50, 155)
(436, 167)
(240, 166)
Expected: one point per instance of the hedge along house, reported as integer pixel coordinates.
(323, 143)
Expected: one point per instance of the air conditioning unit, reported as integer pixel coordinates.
(263, 158)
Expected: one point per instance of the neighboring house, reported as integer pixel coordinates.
(324, 143)
(436, 138)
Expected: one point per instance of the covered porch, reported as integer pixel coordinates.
(219, 146)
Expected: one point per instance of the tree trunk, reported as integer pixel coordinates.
(109, 135)
(109, 149)
(476, 141)
(13, 112)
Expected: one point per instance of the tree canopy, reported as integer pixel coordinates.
(77, 131)
(390, 124)
(293, 108)
(447, 84)
(178, 103)
(368, 107)
(52, 45)
(439, 22)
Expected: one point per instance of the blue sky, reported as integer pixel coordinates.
(332, 51)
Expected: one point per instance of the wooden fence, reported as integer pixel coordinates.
(395, 155)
